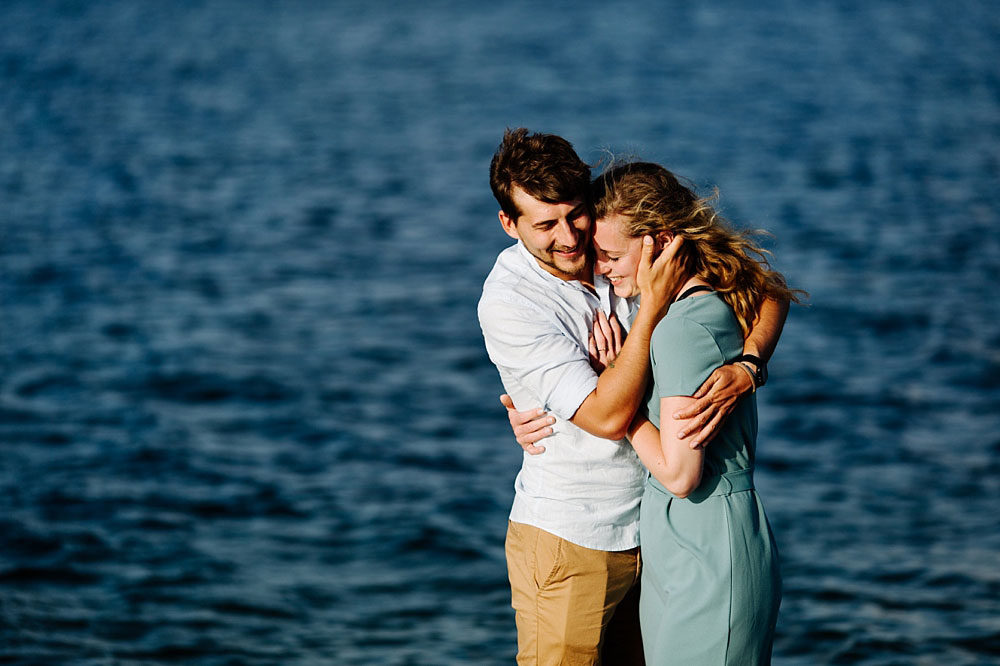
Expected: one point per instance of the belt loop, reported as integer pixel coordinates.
(736, 481)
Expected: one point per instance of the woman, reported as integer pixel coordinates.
(711, 584)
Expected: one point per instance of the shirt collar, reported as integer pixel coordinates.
(605, 291)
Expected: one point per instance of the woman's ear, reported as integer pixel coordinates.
(664, 237)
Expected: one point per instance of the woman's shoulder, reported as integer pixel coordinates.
(705, 309)
(700, 316)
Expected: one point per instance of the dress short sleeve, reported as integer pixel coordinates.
(683, 353)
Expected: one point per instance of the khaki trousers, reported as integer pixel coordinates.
(573, 605)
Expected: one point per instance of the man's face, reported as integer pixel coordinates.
(556, 234)
(617, 255)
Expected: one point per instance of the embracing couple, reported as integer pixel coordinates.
(630, 326)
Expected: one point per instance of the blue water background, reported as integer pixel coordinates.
(246, 416)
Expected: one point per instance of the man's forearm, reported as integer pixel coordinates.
(763, 337)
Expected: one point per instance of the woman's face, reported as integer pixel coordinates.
(617, 254)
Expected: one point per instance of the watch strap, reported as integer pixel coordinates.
(760, 373)
(752, 373)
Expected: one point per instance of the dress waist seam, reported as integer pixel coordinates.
(729, 483)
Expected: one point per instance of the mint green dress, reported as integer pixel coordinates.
(711, 583)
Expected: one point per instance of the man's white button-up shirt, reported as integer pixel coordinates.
(583, 488)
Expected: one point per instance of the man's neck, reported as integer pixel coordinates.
(586, 276)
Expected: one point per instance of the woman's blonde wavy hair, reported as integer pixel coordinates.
(654, 201)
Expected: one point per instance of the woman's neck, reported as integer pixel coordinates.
(692, 282)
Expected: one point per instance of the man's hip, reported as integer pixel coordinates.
(569, 600)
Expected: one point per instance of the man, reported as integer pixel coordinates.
(572, 540)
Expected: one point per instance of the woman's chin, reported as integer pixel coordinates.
(625, 291)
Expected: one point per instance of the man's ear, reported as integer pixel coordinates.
(509, 225)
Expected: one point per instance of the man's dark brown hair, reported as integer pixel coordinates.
(545, 166)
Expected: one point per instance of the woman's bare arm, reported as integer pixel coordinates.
(667, 457)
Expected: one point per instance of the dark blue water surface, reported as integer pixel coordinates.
(246, 416)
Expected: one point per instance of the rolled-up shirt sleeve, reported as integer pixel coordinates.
(530, 345)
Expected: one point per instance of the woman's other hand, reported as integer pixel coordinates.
(605, 341)
(529, 426)
(659, 279)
